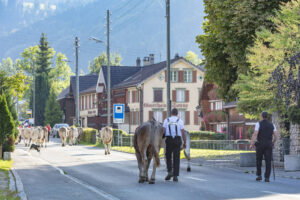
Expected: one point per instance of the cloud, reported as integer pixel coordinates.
(42, 6)
(53, 7)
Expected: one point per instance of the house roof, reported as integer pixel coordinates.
(146, 72)
(64, 94)
(85, 82)
(232, 104)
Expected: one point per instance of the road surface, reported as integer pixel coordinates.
(81, 172)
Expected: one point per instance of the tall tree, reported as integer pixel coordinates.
(229, 30)
(193, 58)
(53, 113)
(101, 60)
(45, 54)
(269, 50)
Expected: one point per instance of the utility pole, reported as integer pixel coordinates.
(108, 71)
(77, 81)
(168, 59)
(33, 102)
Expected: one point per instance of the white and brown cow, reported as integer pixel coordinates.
(73, 136)
(63, 134)
(106, 134)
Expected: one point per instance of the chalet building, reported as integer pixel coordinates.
(87, 101)
(143, 91)
(217, 115)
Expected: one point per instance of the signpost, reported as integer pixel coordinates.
(119, 115)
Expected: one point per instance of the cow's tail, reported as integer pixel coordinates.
(157, 160)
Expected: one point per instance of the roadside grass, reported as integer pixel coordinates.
(98, 144)
(195, 153)
(6, 194)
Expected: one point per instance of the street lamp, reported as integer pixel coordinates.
(96, 40)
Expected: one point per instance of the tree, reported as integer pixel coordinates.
(7, 125)
(193, 58)
(44, 56)
(53, 113)
(60, 74)
(270, 49)
(101, 60)
(229, 30)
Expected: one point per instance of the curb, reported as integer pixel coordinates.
(18, 184)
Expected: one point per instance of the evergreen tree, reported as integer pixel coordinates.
(45, 54)
(53, 113)
(7, 125)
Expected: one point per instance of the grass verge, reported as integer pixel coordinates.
(6, 194)
(195, 153)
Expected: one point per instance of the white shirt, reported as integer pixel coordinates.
(172, 121)
(257, 127)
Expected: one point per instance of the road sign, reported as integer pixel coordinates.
(119, 113)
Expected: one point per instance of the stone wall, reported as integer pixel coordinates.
(278, 148)
(295, 139)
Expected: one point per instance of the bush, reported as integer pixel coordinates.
(9, 145)
(89, 135)
(206, 135)
(121, 132)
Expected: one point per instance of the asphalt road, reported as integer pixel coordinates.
(80, 172)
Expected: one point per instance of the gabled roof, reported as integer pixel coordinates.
(119, 73)
(85, 82)
(64, 94)
(148, 71)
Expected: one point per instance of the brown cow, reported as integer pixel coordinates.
(147, 143)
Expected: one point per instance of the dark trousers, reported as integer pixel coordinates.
(48, 136)
(173, 146)
(263, 150)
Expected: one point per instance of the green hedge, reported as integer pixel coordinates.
(124, 133)
(89, 135)
(206, 135)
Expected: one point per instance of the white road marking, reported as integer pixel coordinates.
(285, 195)
(89, 187)
(197, 179)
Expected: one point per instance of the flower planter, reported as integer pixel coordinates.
(248, 159)
(292, 162)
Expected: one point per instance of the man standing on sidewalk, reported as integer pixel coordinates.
(174, 129)
(264, 138)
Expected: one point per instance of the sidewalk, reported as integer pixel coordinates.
(7, 186)
(235, 165)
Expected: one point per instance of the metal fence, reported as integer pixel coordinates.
(196, 144)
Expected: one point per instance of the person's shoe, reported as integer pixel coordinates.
(267, 180)
(169, 176)
(258, 178)
(175, 179)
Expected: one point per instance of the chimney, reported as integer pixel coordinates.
(138, 62)
(176, 55)
(151, 56)
(146, 61)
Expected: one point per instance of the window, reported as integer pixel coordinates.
(211, 106)
(84, 100)
(188, 76)
(221, 128)
(137, 96)
(219, 105)
(180, 95)
(181, 115)
(128, 96)
(174, 76)
(158, 115)
(157, 95)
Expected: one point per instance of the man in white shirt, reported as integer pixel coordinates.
(174, 129)
(264, 137)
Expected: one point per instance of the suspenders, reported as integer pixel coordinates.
(173, 123)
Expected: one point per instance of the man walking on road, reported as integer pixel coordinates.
(174, 129)
(264, 138)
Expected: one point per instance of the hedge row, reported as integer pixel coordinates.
(89, 135)
(206, 135)
(124, 133)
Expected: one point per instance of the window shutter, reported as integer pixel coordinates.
(187, 96)
(180, 76)
(174, 95)
(187, 117)
(86, 103)
(194, 76)
(196, 118)
(166, 79)
(150, 115)
(164, 115)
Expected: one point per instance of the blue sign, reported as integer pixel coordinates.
(119, 113)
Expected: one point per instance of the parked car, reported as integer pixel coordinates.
(56, 128)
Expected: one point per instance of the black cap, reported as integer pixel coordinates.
(264, 115)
